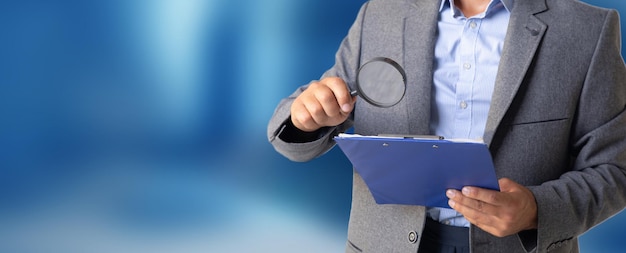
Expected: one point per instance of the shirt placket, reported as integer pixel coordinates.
(467, 74)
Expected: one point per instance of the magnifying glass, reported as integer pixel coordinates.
(381, 82)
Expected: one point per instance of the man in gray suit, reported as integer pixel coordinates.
(542, 82)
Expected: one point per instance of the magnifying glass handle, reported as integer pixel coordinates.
(354, 93)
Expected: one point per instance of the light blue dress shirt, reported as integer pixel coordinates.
(467, 55)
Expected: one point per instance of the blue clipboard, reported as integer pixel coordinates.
(418, 171)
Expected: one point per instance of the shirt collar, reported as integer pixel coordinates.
(508, 4)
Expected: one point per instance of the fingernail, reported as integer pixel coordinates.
(450, 193)
(466, 190)
(451, 203)
(346, 107)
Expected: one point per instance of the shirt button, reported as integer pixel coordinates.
(447, 222)
(473, 24)
(467, 65)
(463, 104)
(412, 237)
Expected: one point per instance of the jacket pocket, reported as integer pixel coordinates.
(538, 122)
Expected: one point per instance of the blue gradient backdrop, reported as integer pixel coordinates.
(139, 126)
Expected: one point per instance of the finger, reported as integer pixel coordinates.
(476, 212)
(321, 106)
(302, 118)
(493, 224)
(469, 206)
(508, 185)
(484, 195)
(473, 216)
(341, 92)
(330, 107)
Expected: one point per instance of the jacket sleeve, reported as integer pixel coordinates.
(595, 188)
(298, 147)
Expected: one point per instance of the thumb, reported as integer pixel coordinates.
(348, 107)
(507, 185)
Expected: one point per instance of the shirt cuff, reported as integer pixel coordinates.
(292, 134)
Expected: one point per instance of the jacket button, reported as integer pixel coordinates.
(412, 237)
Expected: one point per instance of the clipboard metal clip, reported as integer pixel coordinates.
(410, 136)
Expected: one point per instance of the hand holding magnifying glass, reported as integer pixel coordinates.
(380, 82)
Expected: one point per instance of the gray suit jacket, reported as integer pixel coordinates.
(557, 121)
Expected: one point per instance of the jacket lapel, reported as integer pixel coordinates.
(420, 36)
(524, 35)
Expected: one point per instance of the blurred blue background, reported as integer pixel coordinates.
(140, 126)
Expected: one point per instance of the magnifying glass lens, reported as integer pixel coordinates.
(381, 82)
